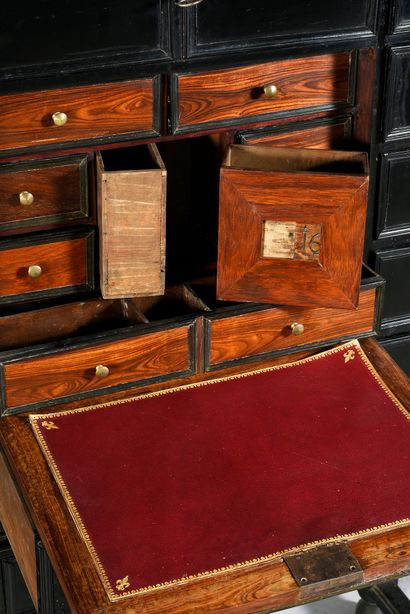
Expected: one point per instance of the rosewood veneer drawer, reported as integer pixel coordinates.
(255, 92)
(263, 331)
(48, 264)
(76, 113)
(51, 192)
(148, 357)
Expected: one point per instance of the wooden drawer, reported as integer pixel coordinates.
(48, 264)
(326, 133)
(40, 192)
(237, 95)
(78, 113)
(131, 189)
(150, 356)
(248, 334)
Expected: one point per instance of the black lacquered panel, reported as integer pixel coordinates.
(400, 15)
(80, 33)
(394, 207)
(399, 350)
(394, 266)
(225, 24)
(397, 107)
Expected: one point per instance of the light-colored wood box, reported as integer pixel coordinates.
(131, 189)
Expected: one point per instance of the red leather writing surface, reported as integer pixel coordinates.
(210, 476)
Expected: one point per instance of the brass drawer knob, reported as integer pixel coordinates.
(102, 371)
(34, 271)
(26, 198)
(297, 328)
(59, 118)
(270, 91)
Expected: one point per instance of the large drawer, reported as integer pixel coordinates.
(77, 113)
(256, 92)
(46, 265)
(42, 378)
(246, 334)
(39, 192)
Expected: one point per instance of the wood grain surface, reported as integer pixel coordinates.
(92, 111)
(59, 189)
(267, 586)
(328, 136)
(131, 211)
(49, 324)
(63, 264)
(259, 332)
(305, 186)
(19, 528)
(238, 93)
(72, 372)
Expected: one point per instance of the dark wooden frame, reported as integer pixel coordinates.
(193, 49)
(383, 229)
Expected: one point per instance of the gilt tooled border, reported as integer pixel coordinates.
(114, 596)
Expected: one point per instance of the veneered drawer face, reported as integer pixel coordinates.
(262, 332)
(397, 96)
(55, 116)
(52, 265)
(316, 134)
(238, 94)
(43, 192)
(119, 363)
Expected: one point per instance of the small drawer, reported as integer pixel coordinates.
(131, 190)
(257, 92)
(56, 116)
(326, 133)
(148, 357)
(265, 331)
(46, 265)
(394, 266)
(43, 192)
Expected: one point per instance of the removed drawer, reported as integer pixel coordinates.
(77, 373)
(131, 188)
(40, 192)
(251, 333)
(55, 116)
(46, 265)
(256, 92)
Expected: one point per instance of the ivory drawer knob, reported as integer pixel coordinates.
(59, 118)
(26, 198)
(270, 90)
(102, 371)
(297, 328)
(187, 3)
(34, 270)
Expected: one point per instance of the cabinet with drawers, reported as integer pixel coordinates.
(158, 131)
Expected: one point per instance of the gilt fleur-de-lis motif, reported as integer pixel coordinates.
(349, 355)
(49, 425)
(122, 584)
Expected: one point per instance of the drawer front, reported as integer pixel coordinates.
(394, 266)
(215, 27)
(43, 192)
(149, 357)
(397, 107)
(400, 21)
(49, 266)
(237, 95)
(55, 116)
(399, 350)
(262, 332)
(394, 210)
(315, 134)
